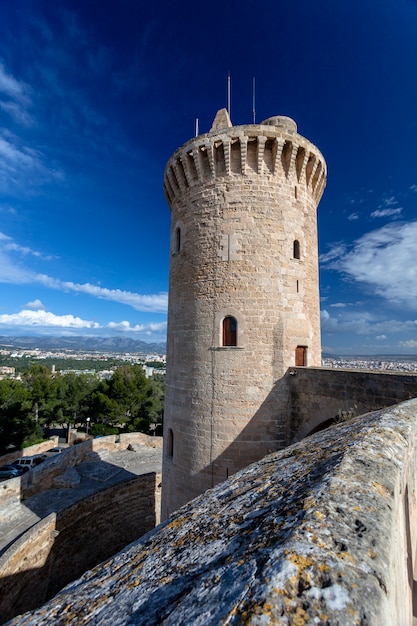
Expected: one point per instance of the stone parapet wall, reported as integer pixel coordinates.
(64, 545)
(322, 532)
(38, 448)
(41, 478)
(317, 395)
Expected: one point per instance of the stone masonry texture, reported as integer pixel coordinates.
(243, 200)
(322, 532)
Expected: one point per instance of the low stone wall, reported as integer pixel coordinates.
(38, 448)
(41, 478)
(321, 394)
(63, 545)
(322, 532)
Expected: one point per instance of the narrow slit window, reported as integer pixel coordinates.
(170, 443)
(296, 249)
(229, 331)
(178, 239)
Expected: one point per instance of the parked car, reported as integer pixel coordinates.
(26, 463)
(9, 471)
(53, 451)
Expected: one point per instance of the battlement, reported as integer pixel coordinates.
(272, 148)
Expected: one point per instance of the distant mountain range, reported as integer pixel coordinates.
(86, 344)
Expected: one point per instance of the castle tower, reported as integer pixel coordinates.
(243, 296)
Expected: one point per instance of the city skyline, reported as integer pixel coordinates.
(94, 100)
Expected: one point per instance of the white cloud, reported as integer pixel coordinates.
(353, 216)
(380, 337)
(15, 97)
(385, 259)
(159, 327)
(13, 273)
(39, 318)
(411, 343)
(336, 251)
(146, 303)
(363, 323)
(338, 305)
(12, 87)
(35, 304)
(386, 212)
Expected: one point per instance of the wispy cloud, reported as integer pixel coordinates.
(388, 207)
(386, 212)
(159, 327)
(14, 97)
(12, 272)
(353, 216)
(364, 324)
(384, 259)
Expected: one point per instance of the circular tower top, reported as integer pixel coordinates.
(282, 121)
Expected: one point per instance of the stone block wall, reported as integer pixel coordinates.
(322, 532)
(63, 545)
(243, 202)
(318, 395)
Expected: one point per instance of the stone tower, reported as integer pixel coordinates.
(243, 296)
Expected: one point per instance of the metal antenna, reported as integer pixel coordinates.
(253, 100)
(196, 126)
(228, 93)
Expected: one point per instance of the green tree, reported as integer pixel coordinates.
(128, 388)
(17, 423)
(42, 388)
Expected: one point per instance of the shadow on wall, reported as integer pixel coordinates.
(303, 401)
(84, 532)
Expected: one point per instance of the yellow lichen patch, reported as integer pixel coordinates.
(300, 561)
(323, 567)
(381, 489)
(371, 554)
(347, 556)
(356, 508)
(299, 617)
(319, 515)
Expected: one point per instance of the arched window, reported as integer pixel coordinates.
(177, 239)
(296, 249)
(229, 331)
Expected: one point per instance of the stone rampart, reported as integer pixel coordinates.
(322, 532)
(320, 395)
(41, 478)
(62, 546)
(38, 448)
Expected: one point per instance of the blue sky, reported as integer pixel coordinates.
(96, 95)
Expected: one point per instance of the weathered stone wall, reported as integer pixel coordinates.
(64, 545)
(38, 448)
(323, 532)
(240, 197)
(318, 395)
(41, 478)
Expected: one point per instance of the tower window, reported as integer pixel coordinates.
(170, 442)
(229, 331)
(177, 239)
(296, 249)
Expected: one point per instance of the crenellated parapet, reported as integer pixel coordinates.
(272, 148)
